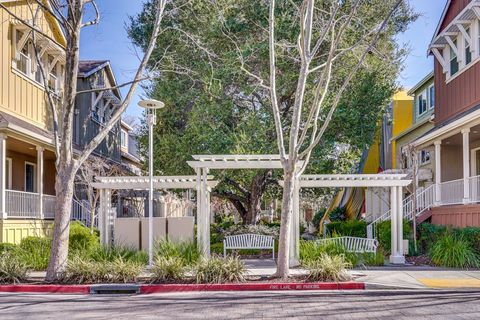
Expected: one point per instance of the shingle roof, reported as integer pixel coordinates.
(6, 120)
(87, 66)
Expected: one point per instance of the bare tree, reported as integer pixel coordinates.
(93, 167)
(314, 103)
(70, 15)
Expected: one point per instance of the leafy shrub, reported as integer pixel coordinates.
(373, 259)
(112, 253)
(329, 268)
(216, 248)
(219, 270)
(255, 229)
(187, 251)
(34, 252)
(453, 251)
(428, 234)
(384, 236)
(353, 228)
(338, 214)
(12, 269)
(471, 235)
(82, 240)
(168, 269)
(80, 270)
(311, 251)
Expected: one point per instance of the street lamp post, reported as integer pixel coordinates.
(150, 107)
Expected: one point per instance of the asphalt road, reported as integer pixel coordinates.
(376, 304)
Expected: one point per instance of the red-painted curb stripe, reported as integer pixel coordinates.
(46, 288)
(159, 288)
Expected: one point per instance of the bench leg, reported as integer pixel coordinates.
(273, 253)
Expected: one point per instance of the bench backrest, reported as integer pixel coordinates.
(249, 240)
(352, 244)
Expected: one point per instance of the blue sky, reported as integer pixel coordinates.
(109, 41)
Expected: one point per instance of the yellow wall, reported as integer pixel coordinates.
(14, 230)
(402, 105)
(19, 95)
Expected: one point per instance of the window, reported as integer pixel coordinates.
(431, 96)
(124, 139)
(453, 60)
(30, 170)
(424, 157)
(24, 61)
(468, 52)
(8, 173)
(422, 102)
(96, 108)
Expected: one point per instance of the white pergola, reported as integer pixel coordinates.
(107, 184)
(395, 182)
(203, 184)
(202, 165)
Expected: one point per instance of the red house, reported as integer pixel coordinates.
(454, 142)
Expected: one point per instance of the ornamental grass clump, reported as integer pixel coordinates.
(12, 269)
(168, 269)
(80, 271)
(329, 268)
(219, 270)
(454, 252)
(187, 251)
(34, 252)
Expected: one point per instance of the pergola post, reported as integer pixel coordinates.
(104, 216)
(396, 220)
(206, 213)
(295, 226)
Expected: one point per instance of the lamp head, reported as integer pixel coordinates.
(151, 104)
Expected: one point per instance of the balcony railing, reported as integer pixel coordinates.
(20, 204)
(451, 192)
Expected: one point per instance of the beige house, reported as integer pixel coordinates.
(27, 171)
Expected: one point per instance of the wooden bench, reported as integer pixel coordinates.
(352, 244)
(249, 241)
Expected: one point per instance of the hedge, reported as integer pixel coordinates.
(384, 235)
(431, 233)
(353, 228)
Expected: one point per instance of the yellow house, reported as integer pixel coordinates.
(27, 170)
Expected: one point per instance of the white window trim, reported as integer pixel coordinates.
(461, 58)
(423, 93)
(8, 163)
(126, 138)
(430, 106)
(34, 176)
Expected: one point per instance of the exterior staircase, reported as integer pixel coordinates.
(425, 200)
(82, 213)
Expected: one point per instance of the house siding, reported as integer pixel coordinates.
(460, 94)
(85, 129)
(456, 6)
(19, 95)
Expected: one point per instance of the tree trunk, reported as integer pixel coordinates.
(283, 262)
(257, 188)
(64, 183)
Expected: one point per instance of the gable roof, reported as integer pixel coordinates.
(425, 79)
(442, 17)
(86, 68)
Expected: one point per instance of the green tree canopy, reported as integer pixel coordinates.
(208, 65)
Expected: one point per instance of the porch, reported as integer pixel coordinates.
(455, 156)
(27, 175)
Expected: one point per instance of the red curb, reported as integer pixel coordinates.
(46, 288)
(160, 288)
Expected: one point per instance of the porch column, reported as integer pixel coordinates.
(438, 173)
(466, 165)
(294, 251)
(3, 173)
(199, 211)
(40, 180)
(203, 212)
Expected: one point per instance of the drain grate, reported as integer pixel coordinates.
(115, 289)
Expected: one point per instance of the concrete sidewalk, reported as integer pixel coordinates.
(389, 277)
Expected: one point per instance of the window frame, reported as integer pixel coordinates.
(431, 95)
(122, 132)
(34, 165)
(422, 97)
(423, 155)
